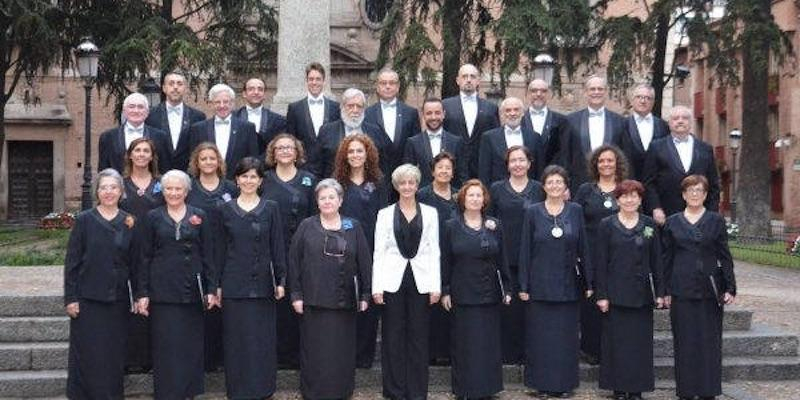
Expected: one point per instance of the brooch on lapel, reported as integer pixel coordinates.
(347, 224)
(195, 220)
(648, 232)
(129, 221)
(226, 197)
(490, 224)
(157, 187)
(369, 187)
(306, 181)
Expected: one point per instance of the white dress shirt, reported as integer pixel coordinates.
(316, 107)
(222, 134)
(132, 133)
(435, 139)
(597, 127)
(538, 118)
(685, 148)
(254, 116)
(389, 113)
(175, 119)
(469, 103)
(513, 136)
(645, 127)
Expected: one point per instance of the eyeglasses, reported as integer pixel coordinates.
(695, 191)
(285, 148)
(335, 247)
(642, 97)
(108, 188)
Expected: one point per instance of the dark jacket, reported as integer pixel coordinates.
(418, 152)
(243, 141)
(406, 126)
(271, 125)
(178, 156)
(111, 148)
(455, 123)
(576, 153)
(492, 158)
(321, 159)
(554, 138)
(299, 123)
(631, 144)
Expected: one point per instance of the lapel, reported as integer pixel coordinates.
(426, 146)
(326, 117)
(460, 117)
(695, 157)
(608, 129)
(162, 108)
(586, 145)
(528, 138)
(398, 123)
(119, 141)
(264, 123)
(633, 132)
(210, 132)
(232, 140)
(675, 157)
(548, 122)
(307, 117)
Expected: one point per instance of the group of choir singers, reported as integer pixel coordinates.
(278, 268)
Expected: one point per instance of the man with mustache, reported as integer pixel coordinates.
(495, 143)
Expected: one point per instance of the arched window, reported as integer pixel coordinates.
(373, 12)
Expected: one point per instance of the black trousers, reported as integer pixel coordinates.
(404, 349)
(367, 335)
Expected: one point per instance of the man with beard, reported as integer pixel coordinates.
(422, 148)
(495, 143)
(267, 122)
(321, 160)
(551, 127)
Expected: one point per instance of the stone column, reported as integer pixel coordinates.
(304, 36)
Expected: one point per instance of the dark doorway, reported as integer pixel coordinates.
(30, 179)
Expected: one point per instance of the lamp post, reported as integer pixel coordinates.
(543, 66)
(88, 55)
(734, 142)
(152, 91)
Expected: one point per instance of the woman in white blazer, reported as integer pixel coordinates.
(406, 280)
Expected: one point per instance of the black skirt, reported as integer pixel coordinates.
(288, 335)
(327, 353)
(697, 339)
(213, 339)
(249, 338)
(138, 358)
(477, 363)
(591, 328)
(551, 346)
(627, 344)
(178, 342)
(513, 331)
(97, 338)
(439, 338)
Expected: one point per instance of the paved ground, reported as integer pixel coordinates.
(772, 293)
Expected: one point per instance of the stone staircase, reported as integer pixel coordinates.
(34, 332)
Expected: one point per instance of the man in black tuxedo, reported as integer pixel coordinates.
(672, 158)
(235, 138)
(175, 118)
(397, 119)
(267, 122)
(113, 143)
(321, 158)
(305, 117)
(495, 143)
(590, 128)
(421, 148)
(552, 127)
(468, 115)
(642, 129)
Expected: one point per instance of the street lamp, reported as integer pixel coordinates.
(734, 142)
(543, 67)
(88, 55)
(151, 91)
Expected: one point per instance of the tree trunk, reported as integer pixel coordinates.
(452, 10)
(753, 192)
(657, 68)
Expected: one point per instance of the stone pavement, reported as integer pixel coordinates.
(773, 294)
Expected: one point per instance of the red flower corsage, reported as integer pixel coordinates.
(490, 224)
(195, 220)
(129, 221)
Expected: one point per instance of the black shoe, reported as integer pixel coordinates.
(620, 395)
(635, 396)
(560, 395)
(590, 358)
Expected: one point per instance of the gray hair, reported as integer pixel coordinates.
(178, 175)
(508, 100)
(593, 77)
(388, 70)
(680, 110)
(530, 84)
(646, 86)
(352, 93)
(406, 171)
(329, 183)
(108, 173)
(219, 88)
(136, 98)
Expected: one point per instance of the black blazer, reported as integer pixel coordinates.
(112, 149)
(492, 157)
(577, 151)
(627, 260)
(663, 173)
(631, 144)
(272, 124)
(697, 255)
(299, 124)
(179, 156)
(321, 159)
(554, 137)
(406, 126)
(177, 261)
(455, 123)
(242, 143)
(100, 258)
(418, 152)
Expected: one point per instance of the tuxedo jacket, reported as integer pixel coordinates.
(243, 141)
(321, 159)
(578, 151)
(492, 157)
(455, 123)
(418, 152)
(663, 172)
(554, 137)
(299, 124)
(272, 124)
(179, 156)
(406, 125)
(111, 148)
(631, 144)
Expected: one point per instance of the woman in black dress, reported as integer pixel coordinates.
(440, 195)
(330, 269)
(293, 189)
(553, 240)
(628, 276)
(357, 168)
(142, 194)
(475, 281)
(210, 190)
(97, 276)
(607, 168)
(175, 288)
(510, 197)
(699, 279)
(252, 278)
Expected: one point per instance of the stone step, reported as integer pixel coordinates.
(24, 356)
(34, 329)
(52, 383)
(735, 319)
